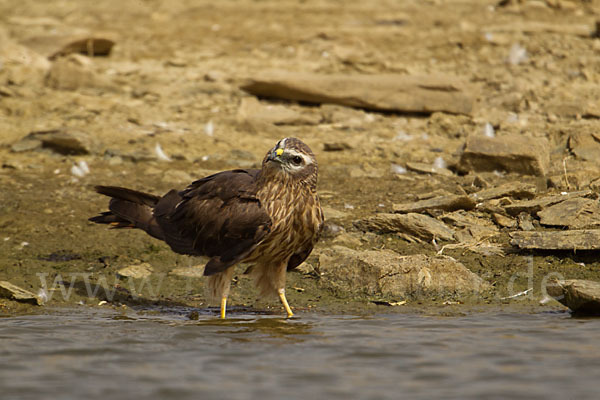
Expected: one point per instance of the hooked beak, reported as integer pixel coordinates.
(275, 155)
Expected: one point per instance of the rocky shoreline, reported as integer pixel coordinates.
(458, 163)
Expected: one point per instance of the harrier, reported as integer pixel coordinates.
(269, 217)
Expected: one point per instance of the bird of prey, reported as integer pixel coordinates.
(270, 218)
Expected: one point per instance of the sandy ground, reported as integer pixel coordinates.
(173, 79)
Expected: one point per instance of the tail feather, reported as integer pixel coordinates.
(130, 195)
(111, 219)
(129, 209)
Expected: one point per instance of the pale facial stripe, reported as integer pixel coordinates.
(307, 159)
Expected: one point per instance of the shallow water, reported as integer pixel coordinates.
(104, 354)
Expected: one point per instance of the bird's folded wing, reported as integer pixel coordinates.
(218, 216)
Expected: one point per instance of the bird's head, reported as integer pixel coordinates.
(294, 159)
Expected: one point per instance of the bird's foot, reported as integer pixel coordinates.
(223, 306)
(288, 310)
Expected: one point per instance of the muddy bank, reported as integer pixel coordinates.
(166, 105)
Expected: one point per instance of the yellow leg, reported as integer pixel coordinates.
(223, 306)
(290, 314)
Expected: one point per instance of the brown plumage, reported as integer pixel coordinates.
(270, 218)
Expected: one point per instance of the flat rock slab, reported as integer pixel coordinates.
(17, 54)
(417, 225)
(332, 213)
(581, 239)
(514, 153)
(387, 273)
(580, 296)
(534, 206)
(254, 111)
(74, 72)
(470, 228)
(337, 146)
(378, 92)
(13, 292)
(462, 219)
(54, 46)
(580, 174)
(196, 271)
(583, 30)
(504, 221)
(138, 271)
(586, 105)
(66, 142)
(515, 190)
(424, 168)
(585, 146)
(574, 213)
(90, 46)
(447, 203)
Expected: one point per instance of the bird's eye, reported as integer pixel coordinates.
(297, 160)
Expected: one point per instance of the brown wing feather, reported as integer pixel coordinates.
(304, 251)
(218, 216)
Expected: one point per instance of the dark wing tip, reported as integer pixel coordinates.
(111, 219)
(213, 266)
(102, 189)
(103, 218)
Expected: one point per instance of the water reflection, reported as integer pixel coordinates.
(258, 328)
(254, 325)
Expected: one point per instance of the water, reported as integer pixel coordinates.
(98, 354)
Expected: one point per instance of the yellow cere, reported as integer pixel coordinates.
(279, 152)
